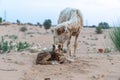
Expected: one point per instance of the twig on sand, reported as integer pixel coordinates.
(8, 69)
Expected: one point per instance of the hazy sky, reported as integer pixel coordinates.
(93, 11)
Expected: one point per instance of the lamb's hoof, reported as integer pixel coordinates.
(54, 63)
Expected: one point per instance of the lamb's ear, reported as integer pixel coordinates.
(78, 13)
(53, 48)
(60, 46)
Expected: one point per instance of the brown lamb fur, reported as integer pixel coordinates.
(45, 57)
(70, 23)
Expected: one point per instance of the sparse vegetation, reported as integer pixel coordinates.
(104, 25)
(23, 29)
(93, 26)
(38, 24)
(47, 24)
(99, 30)
(30, 23)
(22, 46)
(4, 46)
(107, 50)
(7, 46)
(31, 36)
(96, 38)
(18, 22)
(13, 37)
(115, 36)
(0, 19)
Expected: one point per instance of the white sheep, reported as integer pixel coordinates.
(70, 23)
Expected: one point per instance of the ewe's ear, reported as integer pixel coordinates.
(77, 12)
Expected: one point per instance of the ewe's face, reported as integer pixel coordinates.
(58, 48)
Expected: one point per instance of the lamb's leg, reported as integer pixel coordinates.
(43, 59)
(46, 59)
(75, 45)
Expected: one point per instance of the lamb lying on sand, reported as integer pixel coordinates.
(54, 56)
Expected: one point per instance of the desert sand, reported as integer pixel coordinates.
(88, 65)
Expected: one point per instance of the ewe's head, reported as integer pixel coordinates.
(60, 29)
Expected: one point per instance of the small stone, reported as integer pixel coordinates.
(94, 77)
(47, 79)
(21, 63)
(118, 78)
(112, 63)
(102, 76)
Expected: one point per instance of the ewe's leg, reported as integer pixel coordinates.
(75, 45)
(68, 47)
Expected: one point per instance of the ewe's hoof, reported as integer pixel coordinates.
(70, 59)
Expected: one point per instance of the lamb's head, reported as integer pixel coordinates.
(58, 48)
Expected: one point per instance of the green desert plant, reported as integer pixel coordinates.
(18, 22)
(93, 26)
(13, 37)
(38, 24)
(0, 20)
(107, 50)
(22, 46)
(11, 46)
(4, 45)
(30, 23)
(115, 36)
(98, 30)
(104, 25)
(47, 24)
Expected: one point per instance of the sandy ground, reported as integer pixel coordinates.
(89, 64)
